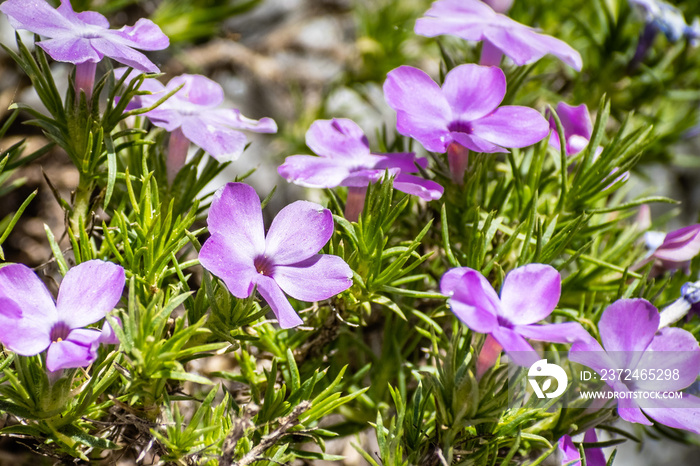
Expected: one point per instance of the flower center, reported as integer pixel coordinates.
(263, 265)
(503, 322)
(59, 332)
(88, 31)
(460, 127)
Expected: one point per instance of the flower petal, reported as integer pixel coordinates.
(320, 277)
(91, 17)
(124, 55)
(144, 35)
(512, 126)
(78, 350)
(231, 263)
(475, 143)
(422, 110)
(576, 120)
(236, 214)
(680, 245)
(89, 291)
(222, 143)
(678, 413)
(589, 353)
(298, 232)
(197, 89)
(70, 50)
(22, 332)
(567, 332)
(594, 456)
(474, 91)
(471, 298)
(569, 452)
(313, 172)
(162, 117)
(27, 311)
(627, 408)
(530, 293)
(107, 335)
(271, 292)
(627, 327)
(404, 161)
(519, 350)
(467, 20)
(36, 16)
(524, 45)
(427, 190)
(337, 138)
(671, 349)
(232, 118)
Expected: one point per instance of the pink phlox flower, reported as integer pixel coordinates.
(85, 37)
(194, 113)
(286, 260)
(474, 20)
(529, 295)
(632, 344)
(464, 111)
(344, 159)
(31, 322)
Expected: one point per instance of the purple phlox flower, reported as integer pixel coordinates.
(663, 17)
(85, 38)
(499, 6)
(529, 294)
(463, 114)
(31, 322)
(633, 344)
(577, 125)
(283, 261)
(578, 129)
(192, 114)
(474, 20)
(569, 452)
(345, 160)
(674, 250)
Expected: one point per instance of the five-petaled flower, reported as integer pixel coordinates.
(529, 294)
(463, 114)
(633, 345)
(192, 114)
(85, 38)
(31, 322)
(286, 260)
(474, 20)
(345, 160)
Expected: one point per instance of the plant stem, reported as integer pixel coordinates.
(81, 205)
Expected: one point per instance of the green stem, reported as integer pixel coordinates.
(81, 204)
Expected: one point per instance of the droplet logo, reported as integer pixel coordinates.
(552, 371)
